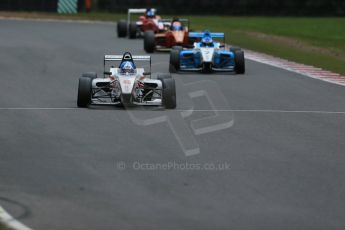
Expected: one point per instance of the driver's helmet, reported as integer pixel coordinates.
(150, 13)
(127, 67)
(176, 26)
(207, 39)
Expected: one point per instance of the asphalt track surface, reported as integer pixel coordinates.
(61, 167)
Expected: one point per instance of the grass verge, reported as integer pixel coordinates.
(2, 227)
(313, 41)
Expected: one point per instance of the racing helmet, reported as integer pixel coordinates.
(127, 67)
(176, 26)
(207, 39)
(150, 13)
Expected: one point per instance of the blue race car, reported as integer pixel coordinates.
(207, 55)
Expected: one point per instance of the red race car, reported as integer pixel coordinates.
(175, 35)
(148, 21)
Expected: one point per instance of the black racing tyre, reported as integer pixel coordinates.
(149, 41)
(169, 93)
(84, 92)
(239, 62)
(162, 76)
(132, 30)
(174, 63)
(234, 49)
(179, 48)
(122, 29)
(91, 75)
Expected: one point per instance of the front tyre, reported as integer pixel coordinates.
(239, 62)
(91, 75)
(235, 48)
(149, 41)
(168, 93)
(162, 76)
(84, 92)
(179, 48)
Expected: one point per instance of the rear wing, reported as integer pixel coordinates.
(119, 58)
(144, 58)
(136, 11)
(201, 34)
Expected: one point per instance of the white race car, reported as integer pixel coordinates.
(126, 85)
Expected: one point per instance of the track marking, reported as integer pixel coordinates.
(195, 110)
(267, 111)
(302, 69)
(10, 222)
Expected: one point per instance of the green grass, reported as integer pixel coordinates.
(313, 41)
(325, 32)
(2, 227)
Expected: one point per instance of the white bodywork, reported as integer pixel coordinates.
(124, 84)
(207, 53)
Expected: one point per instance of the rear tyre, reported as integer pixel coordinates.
(169, 93)
(91, 75)
(239, 62)
(122, 29)
(174, 63)
(84, 92)
(132, 30)
(149, 41)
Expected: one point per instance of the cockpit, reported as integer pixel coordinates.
(127, 68)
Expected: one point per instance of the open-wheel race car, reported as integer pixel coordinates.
(207, 55)
(126, 85)
(148, 21)
(175, 35)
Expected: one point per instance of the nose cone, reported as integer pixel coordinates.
(178, 36)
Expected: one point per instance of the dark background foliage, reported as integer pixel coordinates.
(220, 7)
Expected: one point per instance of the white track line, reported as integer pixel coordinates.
(266, 111)
(10, 222)
(197, 110)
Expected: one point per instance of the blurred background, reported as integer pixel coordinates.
(305, 31)
(224, 7)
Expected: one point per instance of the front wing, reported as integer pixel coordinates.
(222, 61)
